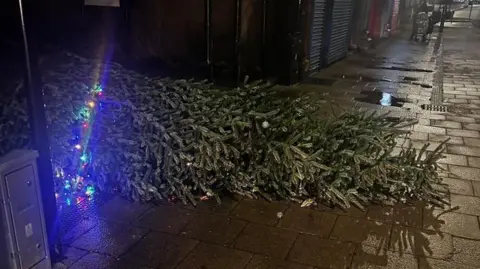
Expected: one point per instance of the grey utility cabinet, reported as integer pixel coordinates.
(23, 238)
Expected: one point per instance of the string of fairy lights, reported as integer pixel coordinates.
(76, 179)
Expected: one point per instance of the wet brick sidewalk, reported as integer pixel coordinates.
(243, 233)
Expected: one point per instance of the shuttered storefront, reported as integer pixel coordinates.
(339, 38)
(318, 27)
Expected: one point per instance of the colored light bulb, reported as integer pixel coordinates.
(78, 146)
(90, 191)
(91, 104)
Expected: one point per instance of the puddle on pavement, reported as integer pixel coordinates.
(410, 78)
(380, 98)
(399, 68)
(423, 85)
(406, 80)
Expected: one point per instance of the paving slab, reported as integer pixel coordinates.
(122, 210)
(99, 261)
(458, 186)
(439, 264)
(212, 206)
(210, 228)
(421, 242)
(215, 257)
(472, 126)
(456, 224)
(364, 232)
(447, 124)
(159, 250)
(84, 225)
(259, 211)
(405, 215)
(454, 159)
(262, 262)
(467, 204)
(460, 119)
(430, 130)
(265, 240)
(372, 258)
(110, 238)
(474, 162)
(463, 133)
(454, 140)
(321, 252)
(466, 252)
(476, 188)
(72, 255)
(468, 173)
(169, 219)
(474, 142)
(308, 221)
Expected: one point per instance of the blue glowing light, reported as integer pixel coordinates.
(73, 182)
(90, 190)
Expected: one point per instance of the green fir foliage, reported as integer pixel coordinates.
(160, 138)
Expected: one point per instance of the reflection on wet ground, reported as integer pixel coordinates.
(400, 79)
(380, 98)
(398, 68)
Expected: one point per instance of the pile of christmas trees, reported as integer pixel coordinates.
(158, 138)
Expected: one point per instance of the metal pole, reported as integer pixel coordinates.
(264, 36)
(238, 33)
(208, 33)
(442, 21)
(471, 9)
(38, 122)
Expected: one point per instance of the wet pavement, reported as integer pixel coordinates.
(408, 79)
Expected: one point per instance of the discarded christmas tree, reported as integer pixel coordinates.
(175, 139)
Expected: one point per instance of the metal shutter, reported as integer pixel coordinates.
(317, 34)
(396, 10)
(342, 13)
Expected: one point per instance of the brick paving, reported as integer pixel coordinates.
(243, 233)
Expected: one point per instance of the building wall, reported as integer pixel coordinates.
(173, 33)
(360, 21)
(164, 29)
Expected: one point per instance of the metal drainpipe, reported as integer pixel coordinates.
(238, 32)
(208, 33)
(264, 36)
(38, 124)
(298, 44)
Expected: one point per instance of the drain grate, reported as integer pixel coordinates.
(435, 108)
